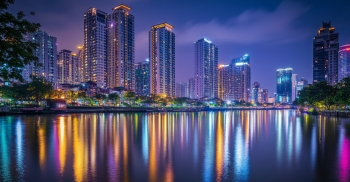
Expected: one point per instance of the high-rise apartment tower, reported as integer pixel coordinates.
(162, 59)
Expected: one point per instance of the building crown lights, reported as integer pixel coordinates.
(166, 25)
(284, 69)
(207, 40)
(122, 6)
(241, 63)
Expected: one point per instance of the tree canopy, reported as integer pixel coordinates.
(16, 51)
(323, 94)
(39, 88)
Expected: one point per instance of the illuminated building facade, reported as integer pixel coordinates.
(47, 54)
(68, 67)
(255, 92)
(95, 46)
(181, 90)
(294, 86)
(344, 62)
(121, 49)
(225, 81)
(184, 90)
(325, 55)
(80, 55)
(191, 88)
(263, 96)
(300, 85)
(284, 86)
(162, 63)
(75, 70)
(241, 81)
(142, 78)
(205, 69)
(64, 66)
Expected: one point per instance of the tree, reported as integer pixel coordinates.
(114, 97)
(327, 93)
(56, 94)
(308, 96)
(82, 95)
(15, 93)
(320, 93)
(39, 88)
(129, 96)
(71, 95)
(342, 97)
(16, 52)
(100, 98)
(180, 101)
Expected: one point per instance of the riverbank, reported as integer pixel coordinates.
(88, 109)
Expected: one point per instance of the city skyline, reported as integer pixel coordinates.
(260, 49)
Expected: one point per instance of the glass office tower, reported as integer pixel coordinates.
(284, 86)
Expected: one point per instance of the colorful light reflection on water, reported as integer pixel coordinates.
(203, 146)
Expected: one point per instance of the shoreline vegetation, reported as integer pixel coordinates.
(322, 96)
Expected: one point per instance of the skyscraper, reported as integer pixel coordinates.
(162, 63)
(121, 49)
(178, 90)
(325, 55)
(184, 90)
(181, 90)
(191, 88)
(47, 54)
(344, 62)
(241, 80)
(255, 92)
(95, 46)
(142, 78)
(205, 69)
(81, 61)
(75, 70)
(64, 67)
(284, 85)
(294, 86)
(225, 80)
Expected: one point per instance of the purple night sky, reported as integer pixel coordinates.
(276, 34)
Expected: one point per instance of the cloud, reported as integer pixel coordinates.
(250, 27)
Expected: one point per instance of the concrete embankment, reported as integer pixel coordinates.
(92, 109)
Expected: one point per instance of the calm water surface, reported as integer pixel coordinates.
(203, 146)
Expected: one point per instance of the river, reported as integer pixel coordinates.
(272, 145)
